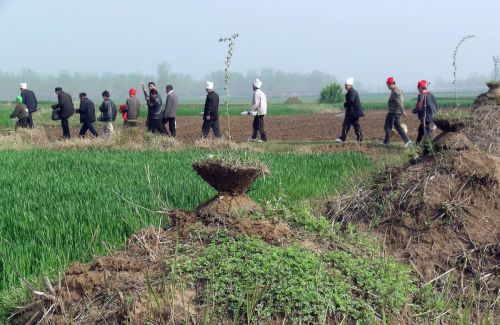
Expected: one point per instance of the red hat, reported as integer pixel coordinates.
(422, 84)
(132, 92)
(391, 80)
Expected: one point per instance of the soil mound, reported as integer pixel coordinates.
(452, 141)
(441, 214)
(484, 131)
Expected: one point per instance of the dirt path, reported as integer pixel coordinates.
(315, 127)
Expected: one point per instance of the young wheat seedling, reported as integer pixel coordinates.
(231, 41)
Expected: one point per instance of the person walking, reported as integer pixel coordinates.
(87, 116)
(170, 112)
(259, 109)
(65, 109)
(211, 112)
(133, 108)
(396, 109)
(29, 99)
(108, 113)
(353, 112)
(151, 86)
(21, 112)
(155, 112)
(425, 109)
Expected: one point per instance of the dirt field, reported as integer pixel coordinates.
(315, 127)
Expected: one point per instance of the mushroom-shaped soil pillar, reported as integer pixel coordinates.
(231, 179)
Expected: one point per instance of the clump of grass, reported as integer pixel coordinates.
(255, 281)
(453, 115)
(455, 66)
(496, 67)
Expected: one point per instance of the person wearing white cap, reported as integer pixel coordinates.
(211, 112)
(353, 112)
(259, 109)
(29, 99)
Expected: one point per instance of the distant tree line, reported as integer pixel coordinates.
(276, 83)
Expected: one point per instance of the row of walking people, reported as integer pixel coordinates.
(160, 118)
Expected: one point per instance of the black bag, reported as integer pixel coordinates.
(55, 115)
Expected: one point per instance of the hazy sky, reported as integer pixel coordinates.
(367, 39)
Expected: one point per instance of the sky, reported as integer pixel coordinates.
(369, 40)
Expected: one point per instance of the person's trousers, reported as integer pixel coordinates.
(87, 126)
(346, 126)
(107, 128)
(259, 126)
(65, 127)
(424, 130)
(157, 126)
(210, 124)
(30, 120)
(393, 120)
(172, 126)
(22, 123)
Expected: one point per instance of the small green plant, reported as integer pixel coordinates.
(455, 114)
(231, 40)
(331, 94)
(455, 67)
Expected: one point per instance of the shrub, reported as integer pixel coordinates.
(293, 100)
(331, 94)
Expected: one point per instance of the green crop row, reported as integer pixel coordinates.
(64, 206)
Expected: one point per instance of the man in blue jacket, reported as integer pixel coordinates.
(155, 112)
(87, 115)
(353, 112)
(108, 113)
(426, 108)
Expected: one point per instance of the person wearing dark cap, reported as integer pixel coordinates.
(396, 109)
(65, 108)
(151, 87)
(87, 115)
(425, 109)
(155, 112)
(108, 113)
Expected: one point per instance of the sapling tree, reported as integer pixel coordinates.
(496, 66)
(231, 40)
(455, 67)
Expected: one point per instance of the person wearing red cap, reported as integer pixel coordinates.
(396, 109)
(425, 108)
(133, 108)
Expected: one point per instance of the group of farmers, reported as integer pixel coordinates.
(425, 109)
(162, 118)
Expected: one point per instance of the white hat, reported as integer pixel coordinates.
(349, 81)
(210, 85)
(23, 85)
(257, 83)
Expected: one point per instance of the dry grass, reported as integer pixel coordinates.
(24, 139)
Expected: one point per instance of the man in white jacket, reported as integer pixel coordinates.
(259, 110)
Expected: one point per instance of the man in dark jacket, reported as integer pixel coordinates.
(65, 108)
(155, 112)
(426, 108)
(29, 99)
(396, 109)
(170, 111)
(353, 112)
(211, 112)
(151, 86)
(108, 113)
(87, 115)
